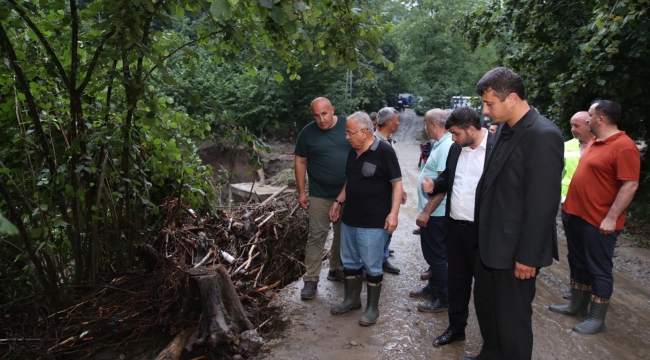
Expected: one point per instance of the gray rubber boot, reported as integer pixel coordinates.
(352, 297)
(578, 306)
(372, 307)
(595, 321)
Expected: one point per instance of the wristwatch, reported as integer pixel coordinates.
(339, 202)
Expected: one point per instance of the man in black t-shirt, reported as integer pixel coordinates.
(373, 191)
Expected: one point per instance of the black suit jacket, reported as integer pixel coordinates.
(445, 181)
(518, 195)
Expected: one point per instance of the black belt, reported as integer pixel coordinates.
(462, 222)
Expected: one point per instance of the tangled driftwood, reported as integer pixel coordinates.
(204, 280)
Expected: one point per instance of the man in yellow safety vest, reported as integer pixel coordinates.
(573, 149)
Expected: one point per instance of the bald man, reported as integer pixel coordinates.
(322, 151)
(573, 150)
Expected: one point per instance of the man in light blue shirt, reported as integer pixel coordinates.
(431, 219)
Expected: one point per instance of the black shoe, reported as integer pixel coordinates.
(387, 267)
(309, 290)
(391, 251)
(449, 337)
(421, 294)
(336, 275)
(468, 358)
(433, 306)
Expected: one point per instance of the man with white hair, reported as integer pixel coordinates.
(372, 193)
(387, 123)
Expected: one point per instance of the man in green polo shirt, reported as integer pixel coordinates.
(321, 151)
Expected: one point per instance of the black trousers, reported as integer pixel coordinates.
(565, 224)
(432, 240)
(592, 254)
(504, 311)
(462, 245)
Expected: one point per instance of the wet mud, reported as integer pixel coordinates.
(402, 332)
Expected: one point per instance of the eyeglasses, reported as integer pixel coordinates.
(347, 133)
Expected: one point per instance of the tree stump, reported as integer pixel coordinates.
(223, 317)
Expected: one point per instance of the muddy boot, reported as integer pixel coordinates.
(595, 321)
(580, 297)
(372, 307)
(352, 300)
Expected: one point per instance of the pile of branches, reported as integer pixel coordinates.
(205, 281)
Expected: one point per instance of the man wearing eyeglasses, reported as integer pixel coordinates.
(321, 150)
(373, 192)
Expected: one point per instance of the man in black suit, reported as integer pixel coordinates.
(465, 164)
(517, 202)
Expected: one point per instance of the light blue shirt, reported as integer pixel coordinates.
(437, 162)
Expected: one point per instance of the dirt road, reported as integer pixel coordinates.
(404, 333)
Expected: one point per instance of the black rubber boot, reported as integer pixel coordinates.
(578, 306)
(372, 307)
(352, 298)
(595, 321)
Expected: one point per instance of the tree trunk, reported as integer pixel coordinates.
(223, 315)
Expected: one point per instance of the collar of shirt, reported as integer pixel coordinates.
(507, 131)
(381, 136)
(441, 140)
(374, 145)
(609, 139)
(483, 143)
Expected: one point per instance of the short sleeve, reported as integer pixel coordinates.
(442, 157)
(301, 148)
(392, 166)
(628, 165)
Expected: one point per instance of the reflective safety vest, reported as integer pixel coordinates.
(571, 159)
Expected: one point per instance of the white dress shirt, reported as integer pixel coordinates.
(468, 172)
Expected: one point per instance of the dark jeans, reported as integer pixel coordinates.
(504, 311)
(462, 245)
(572, 272)
(432, 239)
(592, 255)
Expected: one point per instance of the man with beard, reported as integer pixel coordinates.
(602, 187)
(465, 163)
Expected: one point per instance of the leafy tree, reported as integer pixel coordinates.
(92, 142)
(436, 62)
(571, 53)
(255, 100)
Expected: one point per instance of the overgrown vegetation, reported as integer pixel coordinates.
(94, 138)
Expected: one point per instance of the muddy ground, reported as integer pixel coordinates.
(404, 333)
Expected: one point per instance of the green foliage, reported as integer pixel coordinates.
(99, 129)
(261, 100)
(571, 53)
(6, 227)
(436, 62)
